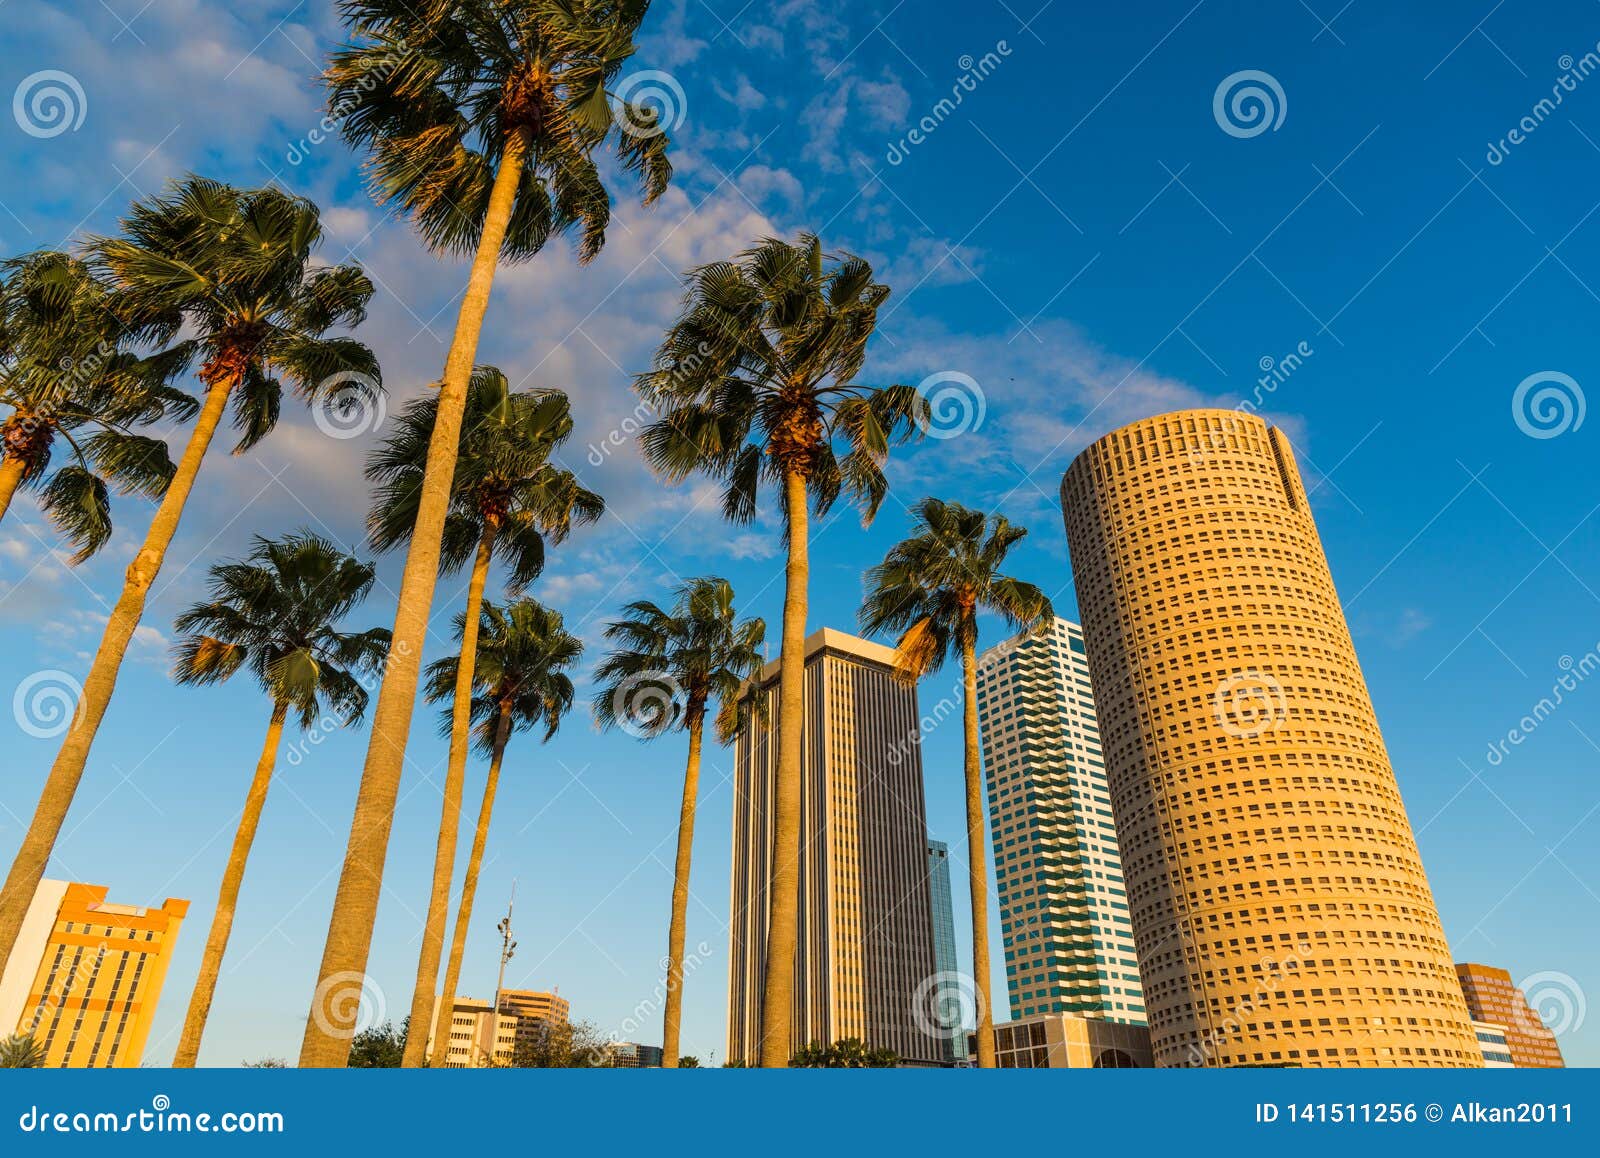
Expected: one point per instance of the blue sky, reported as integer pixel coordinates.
(1081, 236)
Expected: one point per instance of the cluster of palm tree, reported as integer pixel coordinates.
(483, 122)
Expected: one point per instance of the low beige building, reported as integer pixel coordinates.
(473, 1027)
(1068, 1041)
(523, 1014)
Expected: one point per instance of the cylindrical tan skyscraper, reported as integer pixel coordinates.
(1279, 905)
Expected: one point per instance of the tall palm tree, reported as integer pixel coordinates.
(66, 373)
(507, 500)
(276, 612)
(696, 653)
(233, 269)
(930, 588)
(521, 681)
(755, 383)
(482, 119)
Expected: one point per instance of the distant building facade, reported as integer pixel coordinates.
(1071, 1041)
(1063, 906)
(1493, 1045)
(478, 1038)
(1279, 903)
(85, 975)
(630, 1055)
(951, 994)
(864, 955)
(1494, 997)
(532, 1011)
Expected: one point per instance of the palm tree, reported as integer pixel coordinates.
(65, 372)
(482, 119)
(231, 268)
(275, 612)
(848, 1053)
(755, 383)
(521, 681)
(696, 653)
(21, 1051)
(507, 500)
(930, 588)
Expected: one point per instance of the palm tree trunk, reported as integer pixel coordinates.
(977, 856)
(62, 784)
(469, 891)
(355, 903)
(783, 883)
(11, 473)
(205, 986)
(673, 1016)
(444, 856)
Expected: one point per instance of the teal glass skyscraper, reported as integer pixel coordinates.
(944, 945)
(1063, 907)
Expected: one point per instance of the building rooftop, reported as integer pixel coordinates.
(831, 639)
